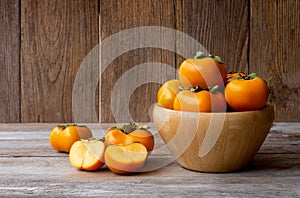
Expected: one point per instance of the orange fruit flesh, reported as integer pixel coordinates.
(125, 159)
(87, 155)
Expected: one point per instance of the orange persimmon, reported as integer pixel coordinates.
(167, 93)
(246, 93)
(63, 136)
(209, 100)
(128, 134)
(203, 71)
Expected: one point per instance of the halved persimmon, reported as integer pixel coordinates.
(87, 154)
(125, 159)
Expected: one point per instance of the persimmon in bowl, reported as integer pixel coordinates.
(213, 142)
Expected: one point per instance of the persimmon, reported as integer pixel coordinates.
(167, 92)
(143, 136)
(127, 134)
(117, 136)
(246, 93)
(235, 74)
(87, 154)
(62, 137)
(125, 159)
(203, 71)
(204, 100)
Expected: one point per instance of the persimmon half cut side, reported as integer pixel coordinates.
(87, 154)
(125, 159)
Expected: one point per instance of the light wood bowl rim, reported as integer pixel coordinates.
(267, 106)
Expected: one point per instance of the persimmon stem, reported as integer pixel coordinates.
(251, 76)
(213, 89)
(199, 55)
(199, 88)
(128, 128)
(68, 125)
(216, 58)
(191, 88)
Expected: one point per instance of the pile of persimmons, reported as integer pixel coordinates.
(204, 85)
(124, 149)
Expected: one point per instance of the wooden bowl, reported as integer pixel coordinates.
(213, 142)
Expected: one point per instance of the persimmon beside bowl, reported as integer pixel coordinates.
(213, 142)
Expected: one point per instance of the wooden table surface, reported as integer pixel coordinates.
(30, 167)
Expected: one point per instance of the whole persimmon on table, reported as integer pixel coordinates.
(30, 167)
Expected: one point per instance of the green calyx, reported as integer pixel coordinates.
(213, 89)
(63, 126)
(128, 128)
(199, 55)
(198, 88)
(190, 88)
(251, 76)
(240, 77)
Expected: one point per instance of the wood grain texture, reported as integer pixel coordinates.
(55, 37)
(9, 61)
(117, 16)
(28, 166)
(221, 27)
(274, 53)
(44, 42)
(223, 142)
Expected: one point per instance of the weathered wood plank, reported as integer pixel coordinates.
(129, 51)
(37, 145)
(32, 176)
(283, 139)
(28, 166)
(220, 26)
(274, 51)
(9, 61)
(55, 38)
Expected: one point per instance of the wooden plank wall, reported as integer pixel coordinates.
(121, 15)
(56, 35)
(43, 42)
(10, 61)
(274, 52)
